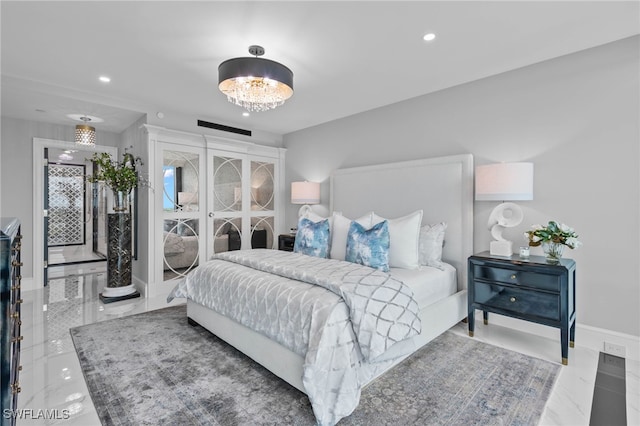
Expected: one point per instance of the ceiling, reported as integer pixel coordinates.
(347, 57)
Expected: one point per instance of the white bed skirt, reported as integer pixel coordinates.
(436, 319)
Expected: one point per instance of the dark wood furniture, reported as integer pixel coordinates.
(286, 241)
(10, 241)
(527, 289)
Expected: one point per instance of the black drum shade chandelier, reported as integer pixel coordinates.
(254, 83)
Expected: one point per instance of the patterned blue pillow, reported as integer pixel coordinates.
(369, 247)
(312, 238)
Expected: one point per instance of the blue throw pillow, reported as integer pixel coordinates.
(312, 238)
(369, 247)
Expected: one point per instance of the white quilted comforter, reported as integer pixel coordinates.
(341, 317)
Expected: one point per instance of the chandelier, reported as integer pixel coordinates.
(255, 84)
(85, 134)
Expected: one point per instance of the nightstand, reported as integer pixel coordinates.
(286, 241)
(531, 290)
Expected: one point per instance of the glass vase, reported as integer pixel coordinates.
(553, 251)
(120, 201)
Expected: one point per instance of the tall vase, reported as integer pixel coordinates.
(553, 251)
(120, 201)
(119, 286)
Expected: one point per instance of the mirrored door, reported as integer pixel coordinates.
(182, 230)
(242, 197)
(226, 202)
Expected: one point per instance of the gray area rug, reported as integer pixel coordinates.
(156, 369)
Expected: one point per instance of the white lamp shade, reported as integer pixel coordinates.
(504, 181)
(305, 193)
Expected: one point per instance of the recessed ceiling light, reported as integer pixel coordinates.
(429, 37)
(104, 79)
(245, 114)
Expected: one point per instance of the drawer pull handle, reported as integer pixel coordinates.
(17, 339)
(513, 276)
(16, 263)
(19, 301)
(512, 299)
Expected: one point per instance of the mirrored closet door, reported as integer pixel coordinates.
(181, 215)
(210, 195)
(242, 199)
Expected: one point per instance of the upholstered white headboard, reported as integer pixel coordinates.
(441, 186)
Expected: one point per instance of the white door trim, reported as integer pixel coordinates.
(39, 145)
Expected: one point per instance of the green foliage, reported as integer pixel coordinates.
(117, 176)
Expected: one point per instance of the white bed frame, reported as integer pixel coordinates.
(442, 187)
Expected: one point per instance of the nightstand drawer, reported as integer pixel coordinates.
(520, 302)
(509, 276)
(286, 242)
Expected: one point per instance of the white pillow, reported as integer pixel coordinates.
(340, 231)
(431, 242)
(404, 237)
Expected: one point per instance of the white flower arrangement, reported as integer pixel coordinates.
(553, 233)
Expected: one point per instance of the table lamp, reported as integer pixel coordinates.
(504, 182)
(305, 193)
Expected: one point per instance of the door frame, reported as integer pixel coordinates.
(39, 144)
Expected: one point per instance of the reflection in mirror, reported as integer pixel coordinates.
(227, 184)
(180, 181)
(262, 185)
(227, 234)
(180, 247)
(262, 232)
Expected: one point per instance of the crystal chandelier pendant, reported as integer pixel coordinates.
(255, 84)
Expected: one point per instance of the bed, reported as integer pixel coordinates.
(441, 190)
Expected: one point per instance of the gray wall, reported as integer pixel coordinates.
(16, 180)
(574, 117)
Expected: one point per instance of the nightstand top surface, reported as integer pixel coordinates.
(532, 260)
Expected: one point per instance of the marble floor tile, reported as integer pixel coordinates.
(51, 378)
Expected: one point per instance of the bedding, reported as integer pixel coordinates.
(340, 232)
(369, 247)
(312, 238)
(404, 233)
(429, 285)
(333, 313)
(431, 244)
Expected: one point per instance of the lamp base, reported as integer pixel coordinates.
(501, 248)
(304, 210)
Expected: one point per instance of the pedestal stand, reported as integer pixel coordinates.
(119, 285)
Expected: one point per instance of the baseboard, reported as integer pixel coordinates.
(141, 286)
(586, 336)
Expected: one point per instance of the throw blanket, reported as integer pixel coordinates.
(341, 317)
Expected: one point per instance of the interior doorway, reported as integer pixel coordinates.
(77, 228)
(74, 249)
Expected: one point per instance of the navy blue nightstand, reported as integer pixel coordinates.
(531, 290)
(286, 242)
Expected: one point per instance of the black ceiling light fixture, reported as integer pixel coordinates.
(255, 84)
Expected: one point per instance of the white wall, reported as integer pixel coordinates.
(574, 117)
(134, 141)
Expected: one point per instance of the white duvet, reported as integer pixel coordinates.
(342, 318)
